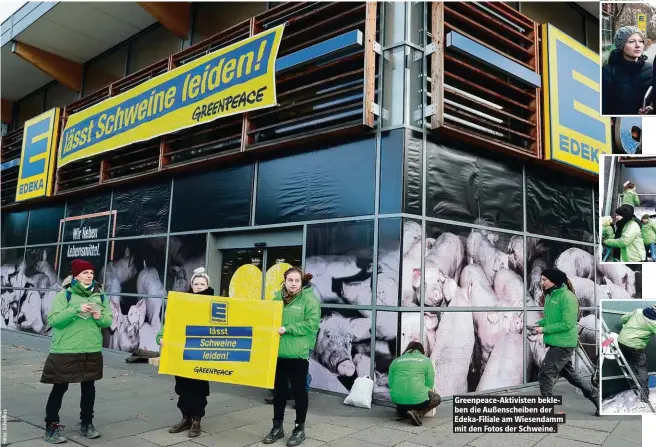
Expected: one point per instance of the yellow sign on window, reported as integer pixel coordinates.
(642, 21)
(221, 339)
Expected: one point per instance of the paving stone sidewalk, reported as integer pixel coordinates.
(135, 406)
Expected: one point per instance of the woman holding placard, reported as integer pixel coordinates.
(298, 334)
(192, 393)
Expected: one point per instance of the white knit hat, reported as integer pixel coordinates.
(626, 183)
(199, 273)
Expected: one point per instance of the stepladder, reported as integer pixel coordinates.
(611, 348)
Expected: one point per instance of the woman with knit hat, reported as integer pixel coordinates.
(78, 314)
(300, 318)
(192, 393)
(628, 236)
(627, 76)
(560, 332)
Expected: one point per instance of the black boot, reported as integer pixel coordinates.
(194, 430)
(181, 426)
(276, 433)
(298, 436)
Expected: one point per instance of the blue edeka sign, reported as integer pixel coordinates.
(575, 133)
(37, 162)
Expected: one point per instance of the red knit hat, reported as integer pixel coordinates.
(80, 265)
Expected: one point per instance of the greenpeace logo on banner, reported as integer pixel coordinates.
(235, 79)
(575, 133)
(37, 161)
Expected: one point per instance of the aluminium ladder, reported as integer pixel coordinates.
(608, 342)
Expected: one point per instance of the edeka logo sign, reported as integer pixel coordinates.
(37, 162)
(221, 339)
(575, 133)
(235, 79)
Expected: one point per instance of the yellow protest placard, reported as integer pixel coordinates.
(221, 339)
(235, 79)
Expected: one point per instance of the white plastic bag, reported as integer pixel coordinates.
(361, 393)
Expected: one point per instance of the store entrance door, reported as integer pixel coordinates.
(251, 265)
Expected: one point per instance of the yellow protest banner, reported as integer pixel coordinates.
(221, 339)
(236, 79)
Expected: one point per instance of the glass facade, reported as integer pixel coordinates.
(409, 236)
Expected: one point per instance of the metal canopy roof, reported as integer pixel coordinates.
(78, 31)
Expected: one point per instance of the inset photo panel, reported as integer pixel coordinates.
(627, 357)
(627, 209)
(627, 56)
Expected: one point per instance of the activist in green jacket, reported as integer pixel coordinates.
(628, 237)
(630, 196)
(637, 328)
(411, 381)
(78, 314)
(561, 310)
(648, 230)
(300, 324)
(559, 326)
(300, 318)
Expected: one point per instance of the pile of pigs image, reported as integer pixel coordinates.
(26, 300)
(471, 351)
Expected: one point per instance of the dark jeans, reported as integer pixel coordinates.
(422, 408)
(558, 362)
(295, 371)
(192, 396)
(637, 360)
(86, 402)
(651, 251)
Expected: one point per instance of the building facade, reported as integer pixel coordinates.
(407, 136)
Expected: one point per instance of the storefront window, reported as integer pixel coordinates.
(29, 107)
(106, 70)
(211, 18)
(606, 33)
(592, 30)
(58, 95)
(152, 47)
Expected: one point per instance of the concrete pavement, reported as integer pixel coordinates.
(135, 406)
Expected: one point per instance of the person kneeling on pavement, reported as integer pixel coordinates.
(78, 314)
(560, 333)
(411, 382)
(192, 393)
(637, 329)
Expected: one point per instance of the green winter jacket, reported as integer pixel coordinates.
(630, 197)
(411, 377)
(72, 334)
(631, 246)
(649, 232)
(561, 311)
(636, 330)
(300, 318)
(607, 232)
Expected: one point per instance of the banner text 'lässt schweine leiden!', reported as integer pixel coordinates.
(236, 79)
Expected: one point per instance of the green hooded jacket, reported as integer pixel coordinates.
(411, 377)
(561, 311)
(630, 197)
(649, 232)
(72, 334)
(632, 248)
(637, 329)
(300, 318)
(607, 232)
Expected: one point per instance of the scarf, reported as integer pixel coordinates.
(626, 211)
(288, 297)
